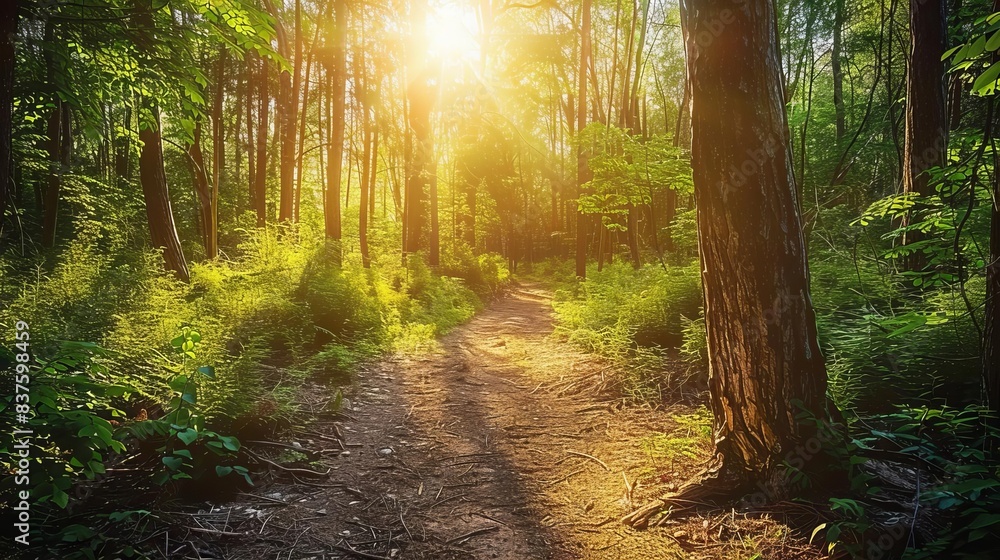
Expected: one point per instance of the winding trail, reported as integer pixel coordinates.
(476, 450)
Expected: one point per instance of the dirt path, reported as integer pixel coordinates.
(471, 452)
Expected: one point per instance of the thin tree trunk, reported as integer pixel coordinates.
(581, 158)
(926, 133)
(260, 180)
(420, 97)
(336, 91)
(218, 158)
(153, 178)
(837, 70)
(203, 192)
(8, 33)
(300, 153)
(251, 147)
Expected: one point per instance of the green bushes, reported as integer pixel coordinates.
(279, 300)
(636, 318)
(644, 305)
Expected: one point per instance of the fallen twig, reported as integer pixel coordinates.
(471, 534)
(287, 469)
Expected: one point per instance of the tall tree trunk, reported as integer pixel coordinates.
(581, 158)
(249, 100)
(203, 192)
(926, 134)
(260, 180)
(218, 157)
(991, 334)
(765, 365)
(338, 80)
(420, 98)
(991, 331)
(53, 144)
(8, 36)
(153, 178)
(50, 197)
(364, 95)
(287, 112)
(300, 152)
(837, 70)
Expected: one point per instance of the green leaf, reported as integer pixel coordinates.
(187, 436)
(173, 463)
(231, 443)
(994, 42)
(59, 497)
(986, 82)
(207, 371)
(222, 471)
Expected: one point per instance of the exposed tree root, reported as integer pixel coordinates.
(715, 485)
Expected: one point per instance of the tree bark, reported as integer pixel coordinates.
(420, 98)
(8, 37)
(765, 365)
(260, 179)
(837, 70)
(582, 171)
(335, 153)
(153, 178)
(203, 192)
(926, 125)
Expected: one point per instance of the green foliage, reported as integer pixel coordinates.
(627, 171)
(73, 405)
(634, 317)
(974, 57)
(959, 484)
(188, 450)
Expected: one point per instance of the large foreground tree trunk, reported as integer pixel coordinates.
(765, 365)
(153, 178)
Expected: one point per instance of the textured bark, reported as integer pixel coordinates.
(335, 151)
(155, 192)
(581, 123)
(926, 125)
(50, 197)
(300, 153)
(286, 107)
(764, 358)
(203, 193)
(991, 334)
(260, 179)
(420, 98)
(53, 145)
(249, 100)
(8, 31)
(837, 70)
(367, 172)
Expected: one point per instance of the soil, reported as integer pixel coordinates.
(493, 445)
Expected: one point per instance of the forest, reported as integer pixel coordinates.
(522, 279)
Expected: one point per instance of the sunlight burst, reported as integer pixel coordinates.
(451, 29)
